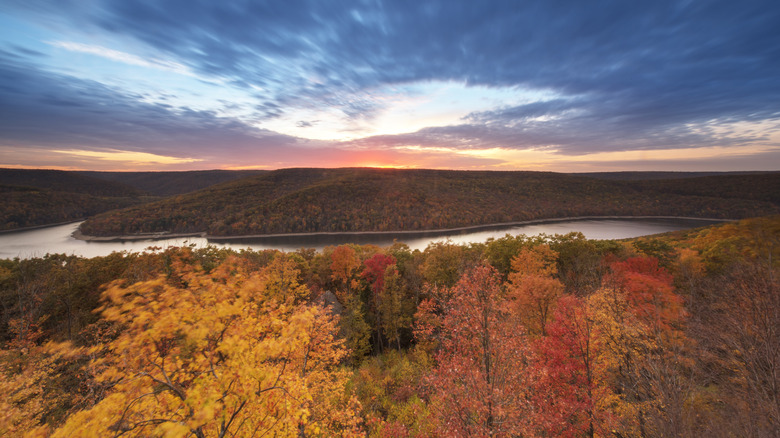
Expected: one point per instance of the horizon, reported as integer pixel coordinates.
(393, 168)
(558, 87)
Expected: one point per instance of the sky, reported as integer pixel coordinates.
(564, 86)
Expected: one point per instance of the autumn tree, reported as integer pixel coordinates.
(374, 274)
(533, 286)
(217, 355)
(571, 388)
(345, 272)
(579, 262)
(638, 319)
(478, 387)
(345, 266)
(443, 263)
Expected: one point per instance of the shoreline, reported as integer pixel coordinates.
(419, 233)
(78, 235)
(38, 227)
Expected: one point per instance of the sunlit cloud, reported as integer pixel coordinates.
(129, 158)
(400, 109)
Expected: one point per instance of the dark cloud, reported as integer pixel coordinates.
(48, 110)
(628, 75)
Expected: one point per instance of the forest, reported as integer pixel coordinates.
(362, 199)
(39, 197)
(543, 336)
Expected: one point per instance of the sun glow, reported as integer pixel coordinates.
(387, 166)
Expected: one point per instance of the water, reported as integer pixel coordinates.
(57, 239)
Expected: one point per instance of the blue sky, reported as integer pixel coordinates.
(548, 85)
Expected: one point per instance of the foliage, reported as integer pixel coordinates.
(227, 354)
(533, 288)
(351, 200)
(477, 386)
(576, 338)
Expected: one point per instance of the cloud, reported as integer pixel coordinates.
(40, 109)
(122, 57)
(626, 75)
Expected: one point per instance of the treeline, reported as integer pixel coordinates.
(672, 335)
(340, 200)
(172, 183)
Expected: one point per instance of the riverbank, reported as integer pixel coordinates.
(38, 227)
(407, 233)
(134, 237)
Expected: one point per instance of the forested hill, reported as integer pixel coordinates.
(337, 200)
(173, 183)
(32, 197)
(64, 181)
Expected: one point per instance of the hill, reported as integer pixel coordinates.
(172, 183)
(33, 197)
(339, 200)
(656, 175)
(65, 181)
(37, 197)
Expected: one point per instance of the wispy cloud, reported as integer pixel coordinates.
(125, 58)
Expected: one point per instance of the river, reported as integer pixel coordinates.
(58, 239)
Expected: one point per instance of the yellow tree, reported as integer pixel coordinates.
(31, 394)
(344, 266)
(218, 355)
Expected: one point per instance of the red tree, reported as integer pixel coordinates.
(479, 386)
(649, 292)
(567, 390)
(374, 274)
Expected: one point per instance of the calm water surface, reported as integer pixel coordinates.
(57, 239)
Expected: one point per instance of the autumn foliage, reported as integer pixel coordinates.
(479, 385)
(550, 336)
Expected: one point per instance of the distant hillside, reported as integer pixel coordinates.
(173, 183)
(34, 197)
(64, 181)
(40, 197)
(758, 186)
(318, 200)
(643, 176)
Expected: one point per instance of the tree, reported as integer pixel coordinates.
(479, 384)
(638, 319)
(570, 388)
(374, 273)
(216, 355)
(747, 328)
(533, 288)
(344, 267)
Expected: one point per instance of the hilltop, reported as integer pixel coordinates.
(362, 199)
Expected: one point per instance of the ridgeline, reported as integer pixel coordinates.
(362, 199)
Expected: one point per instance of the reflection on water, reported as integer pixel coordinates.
(57, 239)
